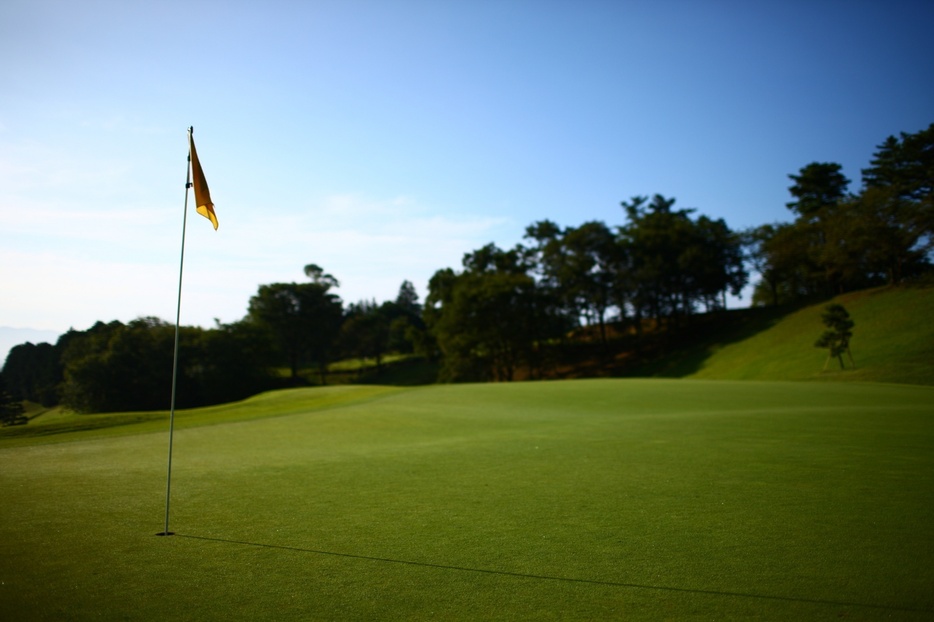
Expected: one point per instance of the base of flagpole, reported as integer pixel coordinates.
(166, 533)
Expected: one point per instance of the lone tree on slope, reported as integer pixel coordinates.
(837, 336)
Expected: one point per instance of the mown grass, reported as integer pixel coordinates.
(602, 499)
(60, 425)
(893, 341)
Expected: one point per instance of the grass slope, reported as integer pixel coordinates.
(597, 499)
(893, 341)
(60, 425)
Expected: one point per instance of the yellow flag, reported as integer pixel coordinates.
(203, 203)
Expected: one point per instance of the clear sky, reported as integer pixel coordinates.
(383, 139)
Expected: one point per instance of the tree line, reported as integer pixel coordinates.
(499, 312)
(118, 366)
(841, 241)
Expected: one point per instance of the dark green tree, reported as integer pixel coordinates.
(85, 387)
(407, 331)
(674, 263)
(484, 331)
(236, 361)
(372, 331)
(655, 236)
(128, 367)
(585, 273)
(407, 299)
(906, 165)
(828, 249)
(33, 372)
(365, 332)
(304, 319)
(779, 253)
(838, 334)
(898, 195)
(488, 319)
(547, 260)
(11, 409)
(577, 267)
(715, 262)
(319, 277)
(817, 186)
(887, 235)
(840, 242)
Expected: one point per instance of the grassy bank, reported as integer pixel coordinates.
(893, 342)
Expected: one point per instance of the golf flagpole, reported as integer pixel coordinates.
(178, 317)
(205, 207)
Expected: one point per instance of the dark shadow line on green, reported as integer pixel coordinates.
(523, 575)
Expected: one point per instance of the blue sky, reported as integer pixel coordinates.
(384, 139)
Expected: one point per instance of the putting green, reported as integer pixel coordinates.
(597, 499)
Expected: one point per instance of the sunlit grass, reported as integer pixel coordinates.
(892, 342)
(61, 425)
(612, 499)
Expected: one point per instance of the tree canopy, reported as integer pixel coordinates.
(841, 241)
(499, 313)
(303, 318)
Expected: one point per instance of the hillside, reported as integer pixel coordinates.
(893, 341)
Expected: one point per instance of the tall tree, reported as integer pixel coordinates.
(717, 262)
(656, 236)
(547, 260)
(783, 254)
(236, 361)
(485, 331)
(407, 299)
(817, 186)
(838, 334)
(304, 318)
(675, 262)
(905, 164)
(817, 253)
(406, 328)
(840, 242)
(127, 367)
(898, 188)
(365, 331)
(889, 234)
(33, 372)
(585, 272)
(319, 277)
(487, 319)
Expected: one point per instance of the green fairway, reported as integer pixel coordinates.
(596, 499)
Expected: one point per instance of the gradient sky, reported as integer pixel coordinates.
(384, 139)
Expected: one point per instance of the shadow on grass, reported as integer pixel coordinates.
(684, 351)
(83, 423)
(410, 372)
(522, 575)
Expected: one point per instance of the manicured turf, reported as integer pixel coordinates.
(602, 499)
(892, 342)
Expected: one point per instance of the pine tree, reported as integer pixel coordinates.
(837, 336)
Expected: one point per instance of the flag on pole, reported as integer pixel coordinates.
(203, 203)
